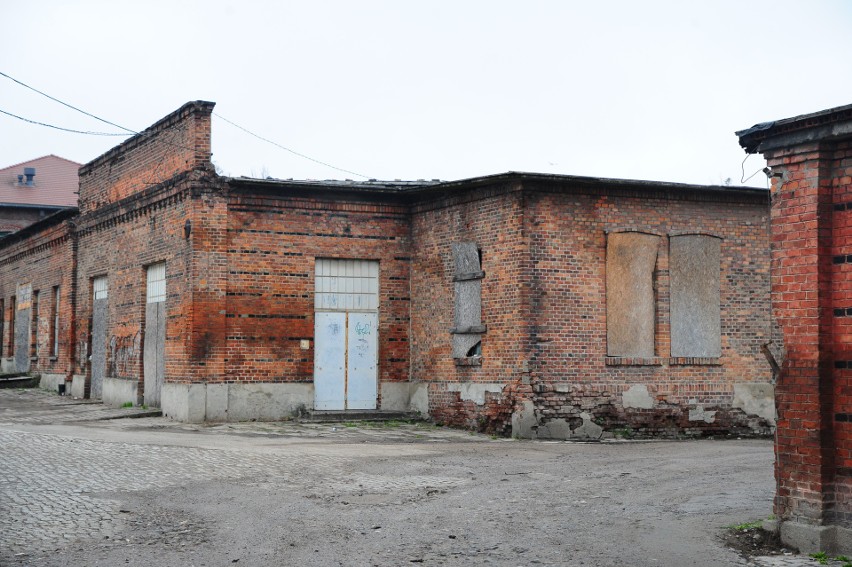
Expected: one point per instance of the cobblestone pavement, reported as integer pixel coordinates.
(45, 498)
(80, 488)
(39, 406)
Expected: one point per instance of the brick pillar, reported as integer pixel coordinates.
(810, 157)
(801, 303)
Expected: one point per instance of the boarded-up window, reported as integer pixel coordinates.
(630, 306)
(12, 315)
(54, 327)
(34, 325)
(346, 285)
(467, 277)
(694, 264)
(156, 289)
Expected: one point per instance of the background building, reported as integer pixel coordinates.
(34, 189)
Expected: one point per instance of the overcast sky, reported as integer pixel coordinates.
(433, 89)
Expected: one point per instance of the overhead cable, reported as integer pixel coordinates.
(66, 104)
(294, 152)
(87, 132)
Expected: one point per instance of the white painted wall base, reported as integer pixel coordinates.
(196, 403)
(755, 398)
(117, 392)
(419, 400)
(808, 538)
(8, 366)
(78, 386)
(50, 382)
(396, 396)
(475, 391)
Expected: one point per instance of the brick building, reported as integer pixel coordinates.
(810, 158)
(35, 189)
(537, 305)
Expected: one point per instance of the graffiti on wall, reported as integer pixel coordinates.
(124, 354)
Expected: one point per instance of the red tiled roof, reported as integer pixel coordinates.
(55, 183)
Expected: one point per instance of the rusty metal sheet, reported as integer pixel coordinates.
(630, 307)
(694, 265)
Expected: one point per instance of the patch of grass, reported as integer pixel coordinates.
(820, 557)
(350, 424)
(127, 405)
(842, 558)
(746, 526)
(623, 433)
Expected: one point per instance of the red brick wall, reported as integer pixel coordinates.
(178, 143)
(44, 258)
(136, 201)
(493, 218)
(811, 230)
(121, 249)
(544, 302)
(568, 249)
(271, 246)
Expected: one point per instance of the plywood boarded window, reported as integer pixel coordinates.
(54, 327)
(631, 258)
(467, 277)
(694, 265)
(34, 325)
(12, 314)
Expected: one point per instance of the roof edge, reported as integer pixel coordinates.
(187, 108)
(820, 122)
(415, 187)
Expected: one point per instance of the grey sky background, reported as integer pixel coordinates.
(645, 89)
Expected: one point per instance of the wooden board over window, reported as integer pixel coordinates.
(694, 265)
(630, 261)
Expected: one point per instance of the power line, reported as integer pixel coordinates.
(66, 104)
(294, 152)
(87, 132)
(131, 131)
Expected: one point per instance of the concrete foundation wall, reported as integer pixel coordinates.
(396, 396)
(117, 392)
(195, 403)
(50, 382)
(78, 386)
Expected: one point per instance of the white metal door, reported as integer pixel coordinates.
(362, 352)
(346, 334)
(330, 361)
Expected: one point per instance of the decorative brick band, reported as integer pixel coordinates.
(843, 417)
(842, 259)
(843, 363)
